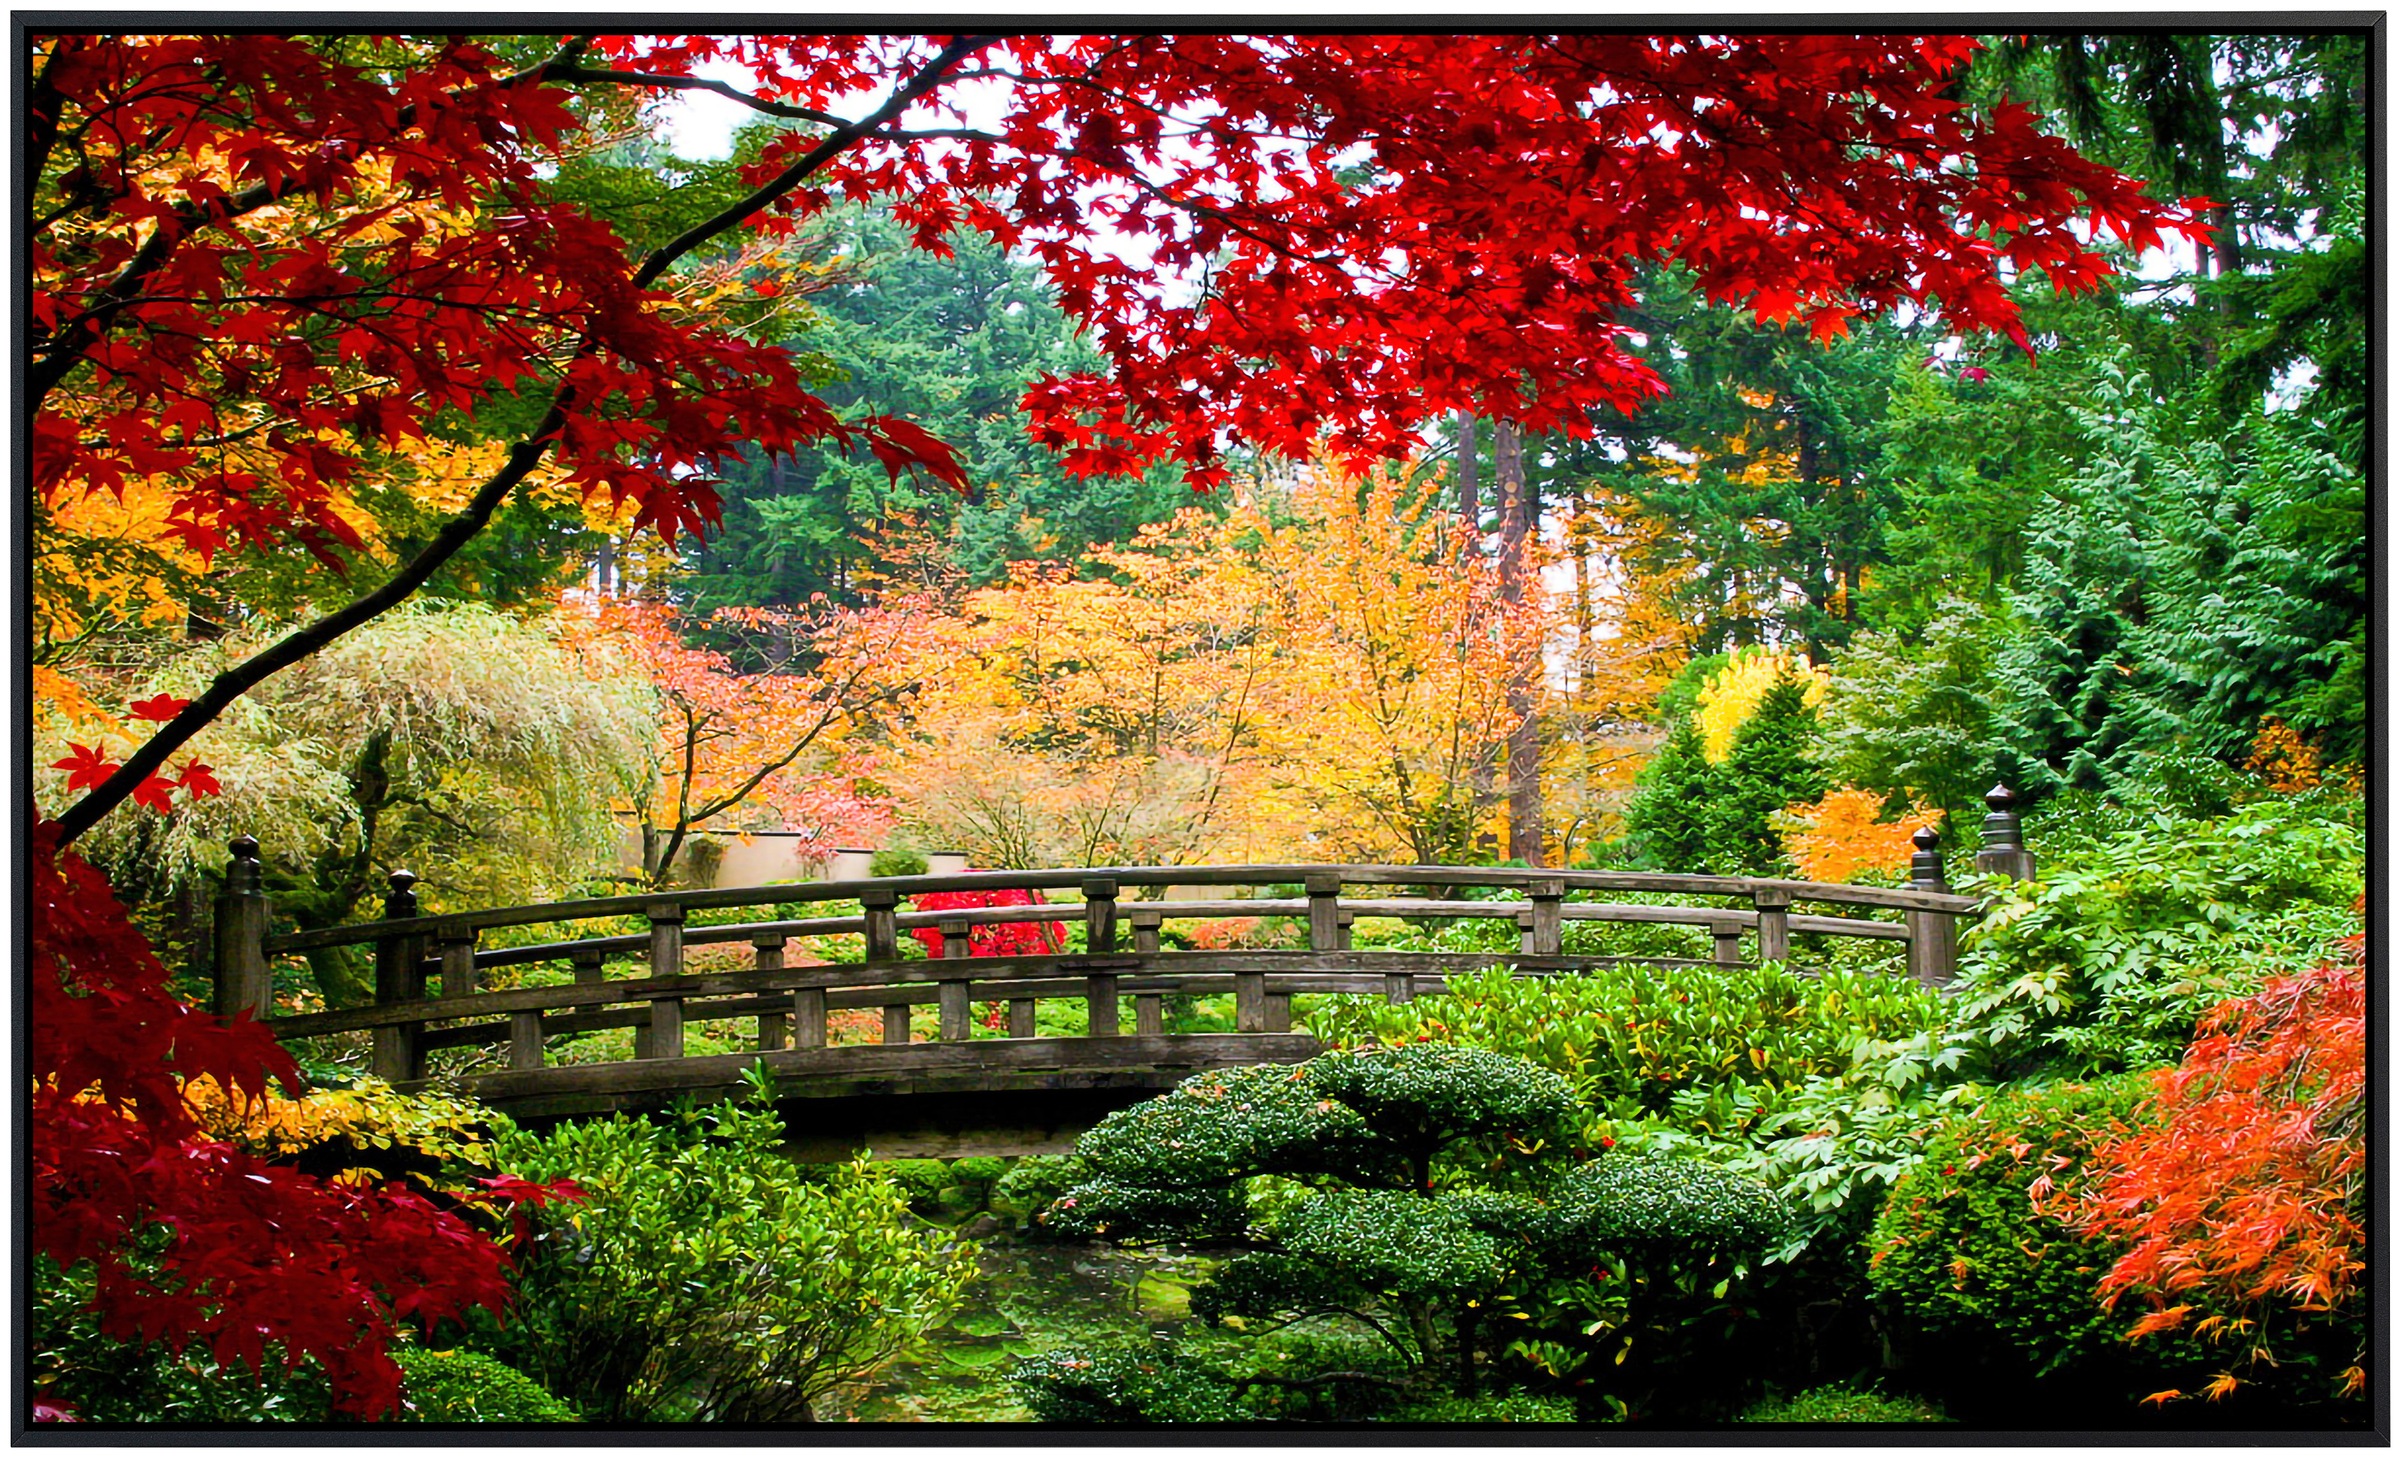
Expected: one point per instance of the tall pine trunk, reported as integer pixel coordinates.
(1520, 515)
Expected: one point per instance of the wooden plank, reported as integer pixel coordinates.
(955, 1022)
(808, 1018)
(1324, 905)
(1020, 1017)
(458, 963)
(1774, 923)
(1099, 916)
(666, 939)
(1100, 1004)
(1543, 927)
(1038, 1055)
(1149, 1014)
(766, 955)
(882, 929)
(1250, 1001)
(666, 1028)
(895, 1024)
(1933, 948)
(524, 1040)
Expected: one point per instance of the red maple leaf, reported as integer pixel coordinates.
(160, 709)
(86, 767)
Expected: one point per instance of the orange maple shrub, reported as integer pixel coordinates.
(2242, 1205)
(1839, 839)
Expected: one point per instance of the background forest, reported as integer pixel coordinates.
(1827, 591)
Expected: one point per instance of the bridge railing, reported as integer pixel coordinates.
(1121, 910)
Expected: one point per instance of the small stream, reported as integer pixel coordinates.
(1030, 1297)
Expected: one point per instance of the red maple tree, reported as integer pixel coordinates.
(2241, 1204)
(193, 1239)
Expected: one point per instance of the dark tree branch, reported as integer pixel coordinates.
(595, 76)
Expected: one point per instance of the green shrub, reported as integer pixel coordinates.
(2107, 962)
(1498, 1406)
(1428, 1194)
(1154, 1385)
(1627, 1038)
(105, 1380)
(1031, 1183)
(1992, 1291)
(706, 1278)
(920, 1181)
(1842, 1402)
(897, 862)
(468, 1386)
(977, 1173)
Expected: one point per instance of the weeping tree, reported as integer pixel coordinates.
(458, 742)
(1426, 1194)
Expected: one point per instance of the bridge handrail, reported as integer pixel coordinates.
(906, 886)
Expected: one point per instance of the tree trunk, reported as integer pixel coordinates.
(1470, 504)
(1520, 516)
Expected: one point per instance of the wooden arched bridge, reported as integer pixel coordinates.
(976, 1088)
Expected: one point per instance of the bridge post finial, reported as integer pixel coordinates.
(2003, 852)
(1932, 934)
(1925, 867)
(399, 977)
(244, 982)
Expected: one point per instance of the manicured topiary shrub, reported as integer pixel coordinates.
(1429, 1194)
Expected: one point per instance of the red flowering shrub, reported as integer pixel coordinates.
(1014, 938)
(191, 1238)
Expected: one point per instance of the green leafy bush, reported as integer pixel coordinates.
(1428, 1194)
(468, 1386)
(105, 1380)
(707, 1278)
(1156, 1385)
(1628, 1038)
(2107, 961)
(1993, 1293)
(1842, 1402)
(1031, 1183)
(1502, 1406)
(897, 862)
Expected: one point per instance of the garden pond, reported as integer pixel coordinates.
(1030, 1296)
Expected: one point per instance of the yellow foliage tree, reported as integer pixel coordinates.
(1731, 694)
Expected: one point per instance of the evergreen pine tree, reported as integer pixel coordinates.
(1667, 818)
(1772, 765)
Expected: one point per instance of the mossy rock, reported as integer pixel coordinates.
(959, 1200)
